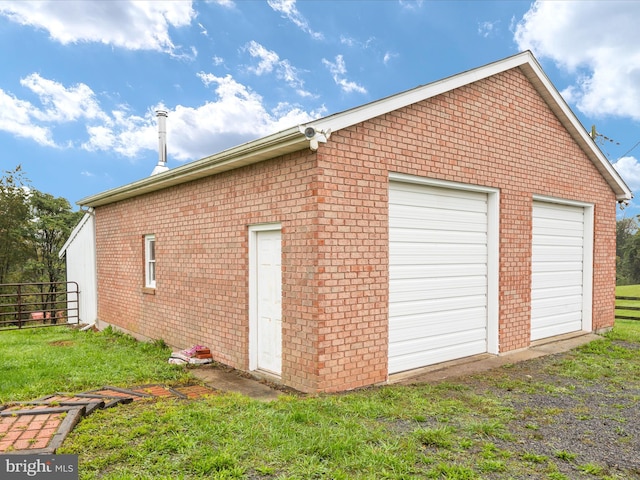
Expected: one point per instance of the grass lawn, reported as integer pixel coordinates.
(628, 291)
(475, 428)
(42, 361)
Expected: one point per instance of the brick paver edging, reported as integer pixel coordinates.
(40, 426)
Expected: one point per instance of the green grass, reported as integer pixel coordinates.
(450, 430)
(628, 291)
(42, 361)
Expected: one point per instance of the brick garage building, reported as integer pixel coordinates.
(471, 215)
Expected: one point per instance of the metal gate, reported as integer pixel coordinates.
(44, 304)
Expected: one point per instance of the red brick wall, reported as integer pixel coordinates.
(201, 230)
(496, 133)
(333, 208)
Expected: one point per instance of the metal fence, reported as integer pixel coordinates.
(627, 308)
(44, 304)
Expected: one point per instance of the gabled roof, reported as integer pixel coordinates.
(74, 233)
(292, 139)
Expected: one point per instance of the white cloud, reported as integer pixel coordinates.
(16, 118)
(225, 3)
(236, 115)
(289, 10)
(411, 4)
(270, 61)
(629, 170)
(339, 70)
(58, 105)
(597, 41)
(487, 29)
(388, 56)
(123, 133)
(348, 41)
(63, 104)
(133, 24)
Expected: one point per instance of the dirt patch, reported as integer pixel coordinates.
(62, 343)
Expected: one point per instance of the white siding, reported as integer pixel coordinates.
(80, 251)
(438, 274)
(557, 264)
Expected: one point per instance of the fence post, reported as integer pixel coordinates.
(19, 307)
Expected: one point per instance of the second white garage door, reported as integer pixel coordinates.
(438, 274)
(560, 296)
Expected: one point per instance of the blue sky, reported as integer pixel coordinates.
(80, 80)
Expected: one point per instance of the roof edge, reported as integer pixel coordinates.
(74, 233)
(286, 141)
(536, 75)
(292, 139)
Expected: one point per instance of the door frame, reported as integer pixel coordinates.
(254, 230)
(587, 255)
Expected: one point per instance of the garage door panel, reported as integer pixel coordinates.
(551, 253)
(419, 196)
(433, 353)
(557, 292)
(561, 265)
(414, 270)
(438, 236)
(438, 217)
(438, 274)
(438, 287)
(444, 305)
(569, 227)
(557, 264)
(452, 323)
(436, 258)
(558, 279)
(567, 321)
(549, 306)
(557, 211)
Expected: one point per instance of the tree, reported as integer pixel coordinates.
(14, 221)
(51, 223)
(627, 251)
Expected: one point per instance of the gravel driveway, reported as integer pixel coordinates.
(592, 419)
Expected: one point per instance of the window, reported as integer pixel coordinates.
(150, 261)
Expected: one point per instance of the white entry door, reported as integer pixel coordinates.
(268, 301)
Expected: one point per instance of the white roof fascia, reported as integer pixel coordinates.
(538, 78)
(280, 143)
(404, 99)
(75, 231)
(293, 139)
(531, 68)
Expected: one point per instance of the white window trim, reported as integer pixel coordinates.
(148, 281)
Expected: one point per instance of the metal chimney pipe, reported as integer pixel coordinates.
(162, 142)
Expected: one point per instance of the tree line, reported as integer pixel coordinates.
(33, 228)
(628, 251)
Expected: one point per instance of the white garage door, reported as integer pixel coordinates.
(438, 260)
(557, 269)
